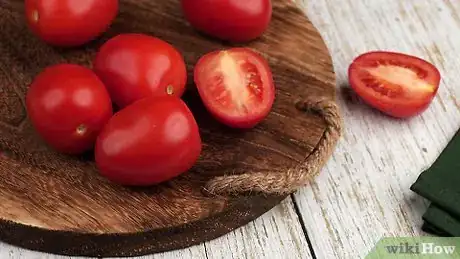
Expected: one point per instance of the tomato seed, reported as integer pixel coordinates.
(393, 62)
(369, 80)
(222, 95)
(422, 73)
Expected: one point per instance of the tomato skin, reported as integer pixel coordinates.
(68, 106)
(254, 71)
(400, 100)
(69, 23)
(134, 66)
(148, 142)
(231, 20)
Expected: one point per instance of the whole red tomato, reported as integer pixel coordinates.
(134, 66)
(397, 84)
(69, 23)
(148, 142)
(231, 20)
(68, 106)
(236, 86)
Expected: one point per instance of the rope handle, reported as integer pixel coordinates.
(282, 183)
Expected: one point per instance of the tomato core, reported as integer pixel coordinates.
(394, 81)
(232, 89)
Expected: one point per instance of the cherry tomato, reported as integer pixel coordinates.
(150, 141)
(69, 23)
(236, 86)
(68, 106)
(396, 84)
(231, 20)
(134, 66)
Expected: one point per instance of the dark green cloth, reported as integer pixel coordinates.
(427, 227)
(441, 185)
(442, 222)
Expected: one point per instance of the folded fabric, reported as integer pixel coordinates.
(428, 228)
(441, 185)
(440, 222)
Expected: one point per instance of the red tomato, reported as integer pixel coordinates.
(236, 86)
(396, 84)
(134, 66)
(68, 106)
(148, 142)
(232, 20)
(69, 23)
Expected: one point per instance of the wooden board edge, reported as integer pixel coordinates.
(136, 244)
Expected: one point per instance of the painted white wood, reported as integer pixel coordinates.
(363, 193)
(277, 234)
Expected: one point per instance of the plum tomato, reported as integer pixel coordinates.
(148, 142)
(69, 23)
(134, 66)
(236, 86)
(68, 106)
(397, 84)
(230, 20)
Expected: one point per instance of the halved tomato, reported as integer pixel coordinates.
(236, 86)
(397, 84)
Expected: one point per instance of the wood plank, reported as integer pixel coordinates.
(276, 234)
(363, 192)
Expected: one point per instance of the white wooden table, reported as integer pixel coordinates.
(363, 193)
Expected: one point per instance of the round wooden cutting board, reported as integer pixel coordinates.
(59, 204)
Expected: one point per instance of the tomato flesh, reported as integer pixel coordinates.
(236, 86)
(148, 142)
(397, 84)
(68, 106)
(69, 23)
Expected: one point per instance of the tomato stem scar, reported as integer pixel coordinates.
(35, 16)
(81, 129)
(170, 89)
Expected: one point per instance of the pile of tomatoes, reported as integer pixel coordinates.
(127, 108)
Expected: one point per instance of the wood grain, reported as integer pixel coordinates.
(277, 232)
(55, 203)
(363, 193)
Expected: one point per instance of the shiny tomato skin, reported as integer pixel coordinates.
(396, 84)
(231, 20)
(68, 106)
(69, 23)
(134, 66)
(148, 142)
(236, 86)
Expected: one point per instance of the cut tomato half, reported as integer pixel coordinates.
(397, 84)
(236, 86)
